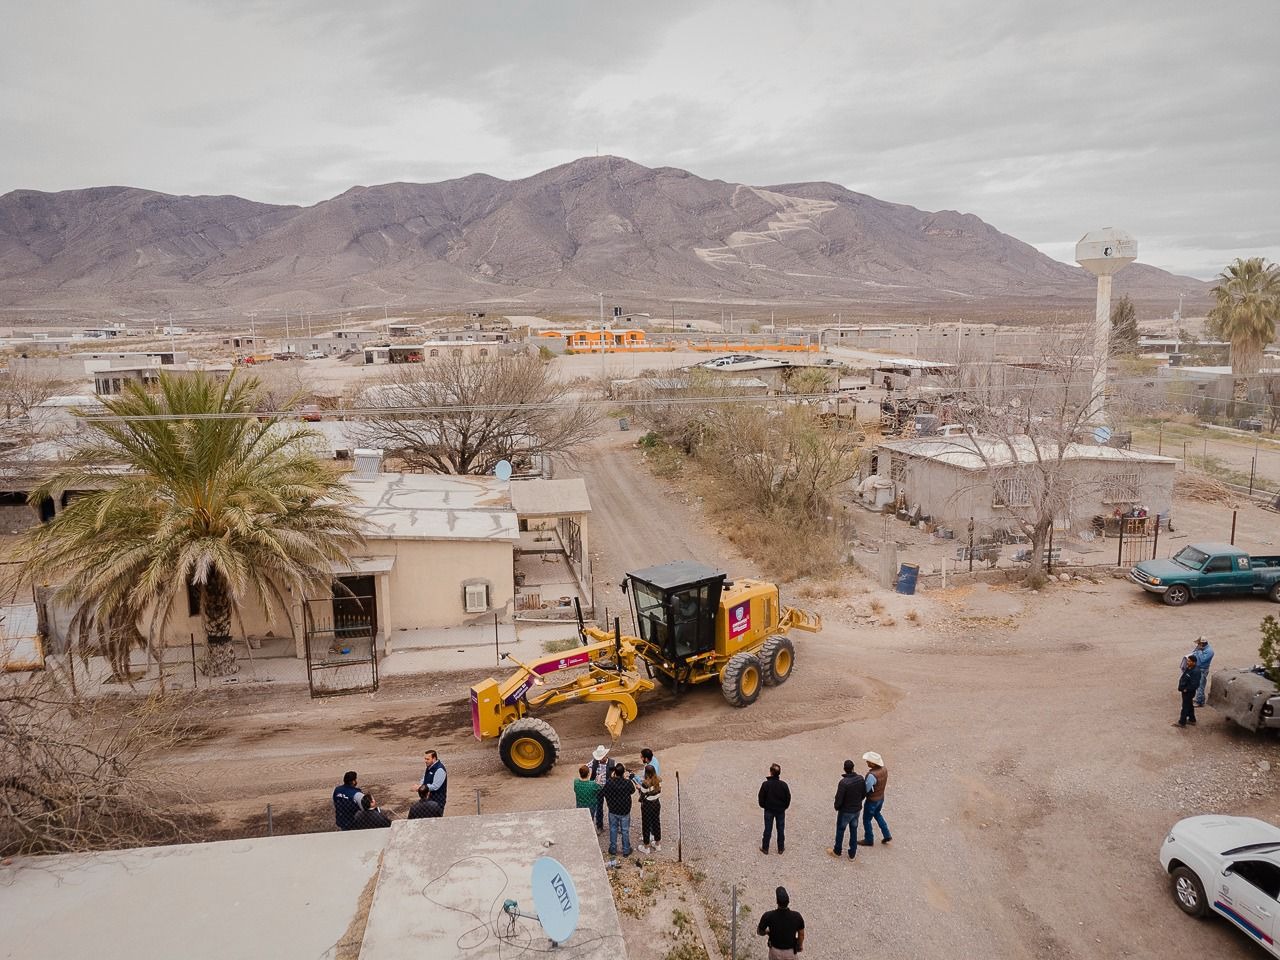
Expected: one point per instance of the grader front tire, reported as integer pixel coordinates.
(529, 747)
(778, 658)
(742, 679)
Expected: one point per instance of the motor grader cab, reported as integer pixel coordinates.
(695, 626)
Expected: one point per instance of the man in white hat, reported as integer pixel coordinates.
(601, 765)
(877, 780)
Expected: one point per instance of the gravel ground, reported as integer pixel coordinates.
(1034, 770)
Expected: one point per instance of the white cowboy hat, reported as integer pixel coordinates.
(600, 752)
(1200, 640)
(872, 757)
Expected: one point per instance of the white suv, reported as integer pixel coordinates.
(1231, 866)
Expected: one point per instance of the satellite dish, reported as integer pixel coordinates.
(1102, 435)
(556, 899)
(503, 470)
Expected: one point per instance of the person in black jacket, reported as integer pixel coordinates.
(617, 794)
(1188, 683)
(775, 797)
(850, 793)
(784, 928)
(369, 816)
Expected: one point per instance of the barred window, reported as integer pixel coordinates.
(1011, 492)
(898, 470)
(1120, 488)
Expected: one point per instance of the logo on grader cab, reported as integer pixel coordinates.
(740, 619)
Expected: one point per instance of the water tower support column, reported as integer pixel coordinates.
(1101, 350)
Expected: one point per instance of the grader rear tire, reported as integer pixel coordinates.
(529, 747)
(742, 679)
(778, 659)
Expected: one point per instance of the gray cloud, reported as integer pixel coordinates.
(1045, 120)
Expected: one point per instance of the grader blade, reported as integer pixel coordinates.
(613, 721)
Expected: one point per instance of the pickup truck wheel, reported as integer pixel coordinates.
(1177, 595)
(1188, 892)
(1274, 595)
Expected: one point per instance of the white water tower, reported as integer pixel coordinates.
(1102, 253)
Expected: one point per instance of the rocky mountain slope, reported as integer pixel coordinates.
(599, 223)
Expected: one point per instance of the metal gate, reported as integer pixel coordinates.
(340, 638)
(1139, 540)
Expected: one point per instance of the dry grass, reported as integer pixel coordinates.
(815, 591)
(913, 616)
(876, 606)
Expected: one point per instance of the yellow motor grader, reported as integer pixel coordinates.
(695, 626)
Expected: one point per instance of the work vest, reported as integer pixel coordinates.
(439, 796)
(882, 781)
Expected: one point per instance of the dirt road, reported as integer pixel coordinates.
(1034, 770)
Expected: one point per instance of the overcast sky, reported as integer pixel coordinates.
(1045, 119)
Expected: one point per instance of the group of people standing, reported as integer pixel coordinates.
(1192, 681)
(855, 794)
(355, 808)
(605, 785)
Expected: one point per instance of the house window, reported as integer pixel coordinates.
(484, 352)
(1011, 492)
(475, 597)
(1120, 488)
(434, 353)
(898, 470)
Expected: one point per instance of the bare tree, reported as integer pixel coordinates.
(463, 415)
(20, 393)
(1026, 437)
(79, 774)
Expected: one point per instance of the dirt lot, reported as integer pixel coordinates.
(1035, 771)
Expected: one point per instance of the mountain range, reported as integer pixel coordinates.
(598, 223)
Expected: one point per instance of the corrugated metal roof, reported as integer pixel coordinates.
(410, 506)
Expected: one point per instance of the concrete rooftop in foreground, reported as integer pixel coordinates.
(279, 897)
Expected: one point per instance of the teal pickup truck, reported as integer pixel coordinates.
(1209, 570)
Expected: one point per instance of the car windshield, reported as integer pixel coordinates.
(1267, 847)
(1190, 557)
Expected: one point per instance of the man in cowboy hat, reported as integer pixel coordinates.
(877, 779)
(1204, 656)
(601, 766)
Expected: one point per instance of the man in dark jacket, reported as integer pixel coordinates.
(850, 792)
(775, 797)
(784, 927)
(1188, 683)
(346, 801)
(617, 793)
(370, 817)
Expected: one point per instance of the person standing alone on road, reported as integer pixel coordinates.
(784, 928)
(775, 797)
(1204, 656)
(850, 792)
(1187, 685)
(617, 795)
(877, 779)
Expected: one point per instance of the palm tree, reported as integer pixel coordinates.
(193, 489)
(1248, 302)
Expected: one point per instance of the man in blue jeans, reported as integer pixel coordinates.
(617, 797)
(1204, 656)
(877, 779)
(850, 793)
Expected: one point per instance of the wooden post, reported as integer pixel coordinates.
(194, 681)
(1233, 526)
(971, 544)
(1120, 547)
(1155, 546)
(733, 923)
(497, 650)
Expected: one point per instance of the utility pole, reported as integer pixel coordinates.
(602, 310)
(286, 329)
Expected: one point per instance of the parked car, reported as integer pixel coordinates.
(1209, 570)
(315, 355)
(1229, 866)
(1246, 696)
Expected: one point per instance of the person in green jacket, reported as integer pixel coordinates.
(585, 790)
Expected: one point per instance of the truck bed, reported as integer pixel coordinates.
(1250, 699)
